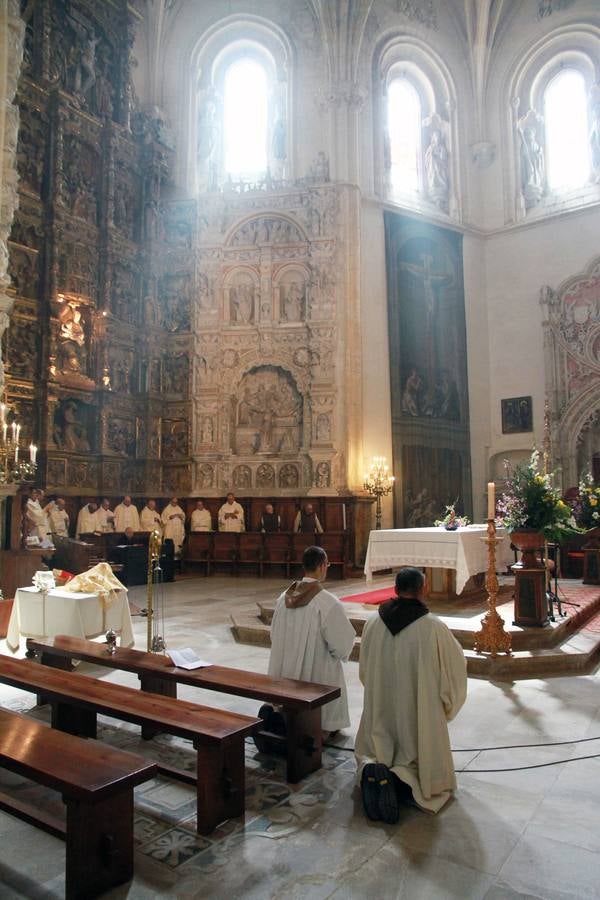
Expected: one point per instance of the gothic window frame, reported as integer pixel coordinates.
(231, 40)
(576, 49)
(413, 60)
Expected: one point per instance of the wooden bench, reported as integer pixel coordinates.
(217, 735)
(301, 701)
(96, 783)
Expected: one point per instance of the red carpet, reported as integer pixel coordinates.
(374, 598)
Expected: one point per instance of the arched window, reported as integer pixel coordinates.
(404, 134)
(566, 131)
(245, 120)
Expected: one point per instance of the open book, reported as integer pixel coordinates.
(187, 659)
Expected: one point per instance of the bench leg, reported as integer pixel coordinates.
(74, 719)
(54, 662)
(304, 743)
(221, 785)
(99, 845)
(154, 684)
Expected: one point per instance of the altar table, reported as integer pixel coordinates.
(78, 615)
(462, 550)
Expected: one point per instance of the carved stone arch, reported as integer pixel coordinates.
(232, 379)
(572, 360)
(253, 228)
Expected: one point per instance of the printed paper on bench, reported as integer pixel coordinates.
(187, 659)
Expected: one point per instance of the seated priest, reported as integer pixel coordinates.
(307, 521)
(201, 519)
(36, 520)
(415, 681)
(87, 522)
(126, 515)
(130, 538)
(150, 517)
(105, 518)
(311, 636)
(58, 517)
(270, 521)
(231, 515)
(173, 520)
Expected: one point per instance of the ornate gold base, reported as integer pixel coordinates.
(492, 638)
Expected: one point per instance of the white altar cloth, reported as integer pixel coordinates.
(461, 550)
(78, 615)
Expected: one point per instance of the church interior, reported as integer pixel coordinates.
(277, 274)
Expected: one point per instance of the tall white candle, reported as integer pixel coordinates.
(32, 453)
(18, 433)
(491, 491)
(16, 453)
(14, 431)
(4, 432)
(344, 516)
(2, 410)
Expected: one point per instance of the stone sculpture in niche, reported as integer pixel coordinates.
(265, 476)
(208, 432)
(206, 475)
(71, 339)
(70, 430)
(323, 475)
(288, 476)
(242, 477)
(266, 230)
(323, 430)
(121, 436)
(437, 169)
(269, 414)
(241, 298)
(532, 163)
(22, 349)
(293, 298)
(83, 61)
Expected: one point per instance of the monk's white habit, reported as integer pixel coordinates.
(309, 643)
(415, 682)
(231, 517)
(201, 520)
(126, 517)
(150, 520)
(173, 518)
(86, 521)
(37, 519)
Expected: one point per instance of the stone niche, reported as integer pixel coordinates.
(268, 413)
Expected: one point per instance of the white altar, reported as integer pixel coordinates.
(61, 612)
(462, 551)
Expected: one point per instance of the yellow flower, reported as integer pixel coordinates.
(539, 479)
(593, 501)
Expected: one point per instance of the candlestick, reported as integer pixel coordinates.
(491, 491)
(378, 482)
(14, 431)
(492, 638)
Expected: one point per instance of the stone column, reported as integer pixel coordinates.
(11, 52)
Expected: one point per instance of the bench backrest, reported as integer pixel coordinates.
(286, 691)
(189, 720)
(75, 767)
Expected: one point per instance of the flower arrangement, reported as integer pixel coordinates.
(530, 501)
(587, 508)
(451, 520)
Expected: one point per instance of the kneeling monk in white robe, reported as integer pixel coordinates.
(311, 635)
(415, 679)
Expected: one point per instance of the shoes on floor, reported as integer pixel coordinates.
(379, 793)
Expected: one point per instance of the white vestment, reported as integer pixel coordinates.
(150, 520)
(201, 520)
(126, 517)
(86, 521)
(174, 528)
(59, 520)
(309, 643)
(105, 519)
(37, 519)
(415, 682)
(236, 524)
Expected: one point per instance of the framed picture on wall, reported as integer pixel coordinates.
(517, 415)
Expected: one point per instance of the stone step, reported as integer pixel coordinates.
(249, 629)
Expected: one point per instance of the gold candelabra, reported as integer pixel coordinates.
(492, 638)
(14, 465)
(378, 482)
(155, 641)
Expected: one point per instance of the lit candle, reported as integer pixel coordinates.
(16, 453)
(18, 433)
(491, 491)
(2, 411)
(32, 453)
(14, 432)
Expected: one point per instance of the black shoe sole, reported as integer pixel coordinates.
(380, 799)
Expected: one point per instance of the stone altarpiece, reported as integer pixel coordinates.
(88, 369)
(572, 359)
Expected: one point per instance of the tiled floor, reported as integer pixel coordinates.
(528, 833)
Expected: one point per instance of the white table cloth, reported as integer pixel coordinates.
(78, 615)
(461, 550)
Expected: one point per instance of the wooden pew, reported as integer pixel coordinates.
(301, 701)
(217, 735)
(96, 783)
